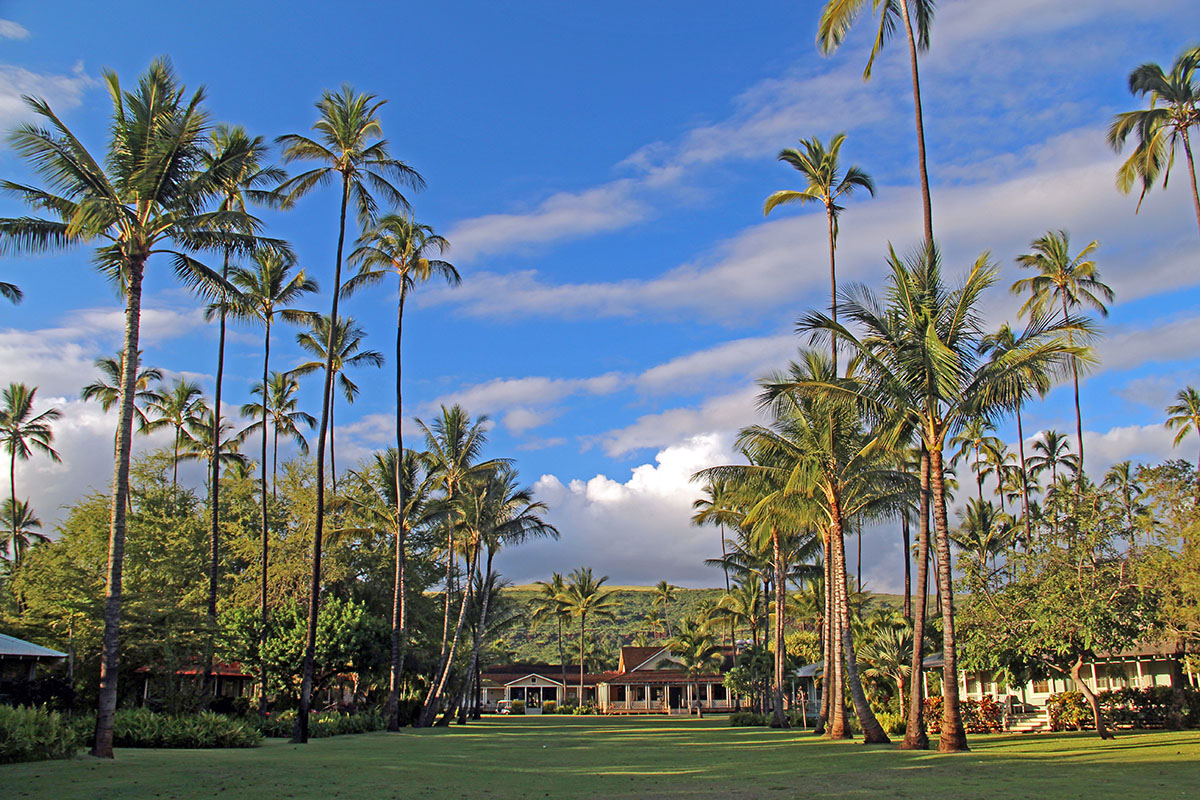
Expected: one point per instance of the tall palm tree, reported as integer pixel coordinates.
(742, 605)
(664, 593)
(453, 445)
(548, 604)
(1185, 418)
(998, 345)
(386, 477)
(198, 442)
(106, 390)
(974, 438)
(919, 365)
(985, 532)
(235, 188)
(1121, 479)
(23, 529)
(23, 432)
(697, 650)
(282, 415)
(1050, 452)
(1174, 111)
(179, 409)
(346, 337)
(1070, 282)
(715, 508)
(145, 198)
(837, 16)
(350, 146)
(826, 185)
(584, 597)
(505, 515)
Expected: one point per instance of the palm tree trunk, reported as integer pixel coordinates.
(1187, 149)
(429, 711)
(906, 534)
(780, 720)
(12, 480)
(175, 459)
(300, 731)
(1024, 481)
(915, 737)
(832, 284)
(834, 665)
(953, 738)
(275, 461)
(562, 657)
(214, 490)
(110, 649)
(399, 618)
(262, 600)
(481, 626)
(873, 732)
(823, 714)
(926, 203)
(582, 635)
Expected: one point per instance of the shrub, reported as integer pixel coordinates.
(978, 716)
(1069, 710)
(891, 722)
(141, 727)
(747, 719)
(1151, 707)
(549, 707)
(35, 734)
(322, 724)
(588, 709)
(518, 706)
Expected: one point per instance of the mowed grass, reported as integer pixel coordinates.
(583, 757)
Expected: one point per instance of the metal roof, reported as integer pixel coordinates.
(12, 647)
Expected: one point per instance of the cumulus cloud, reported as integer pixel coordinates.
(638, 530)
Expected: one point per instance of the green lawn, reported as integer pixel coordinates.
(567, 757)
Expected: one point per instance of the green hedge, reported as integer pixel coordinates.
(35, 734)
(326, 723)
(747, 719)
(141, 727)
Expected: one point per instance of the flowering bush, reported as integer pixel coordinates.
(978, 716)
(1069, 710)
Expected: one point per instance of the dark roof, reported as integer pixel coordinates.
(634, 657)
(507, 673)
(230, 670)
(12, 647)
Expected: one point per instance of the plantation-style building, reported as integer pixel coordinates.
(648, 680)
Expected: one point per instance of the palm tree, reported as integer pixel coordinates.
(282, 414)
(23, 531)
(1174, 110)
(235, 188)
(106, 390)
(887, 653)
(984, 532)
(198, 442)
(349, 145)
(973, 437)
(145, 198)
(919, 365)
(23, 432)
(697, 650)
(347, 339)
(381, 484)
(1070, 282)
(180, 408)
(1122, 480)
(664, 593)
(585, 596)
(453, 445)
(715, 508)
(548, 604)
(1051, 452)
(505, 515)
(836, 18)
(1185, 418)
(826, 185)
(998, 345)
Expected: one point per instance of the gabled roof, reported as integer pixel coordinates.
(546, 678)
(636, 657)
(12, 647)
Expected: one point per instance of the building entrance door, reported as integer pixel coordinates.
(675, 695)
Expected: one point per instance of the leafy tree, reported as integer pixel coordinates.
(22, 432)
(146, 200)
(1070, 281)
(1185, 418)
(837, 16)
(827, 184)
(350, 146)
(1174, 111)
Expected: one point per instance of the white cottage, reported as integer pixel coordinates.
(650, 680)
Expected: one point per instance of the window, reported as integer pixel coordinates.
(1041, 686)
(719, 692)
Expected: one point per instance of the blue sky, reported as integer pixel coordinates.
(600, 172)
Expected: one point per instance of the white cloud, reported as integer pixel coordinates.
(727, 412)
(741, 357)
(525, 403)
(12, 30)
(564, 215)
(62, 92)
(637, 531)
